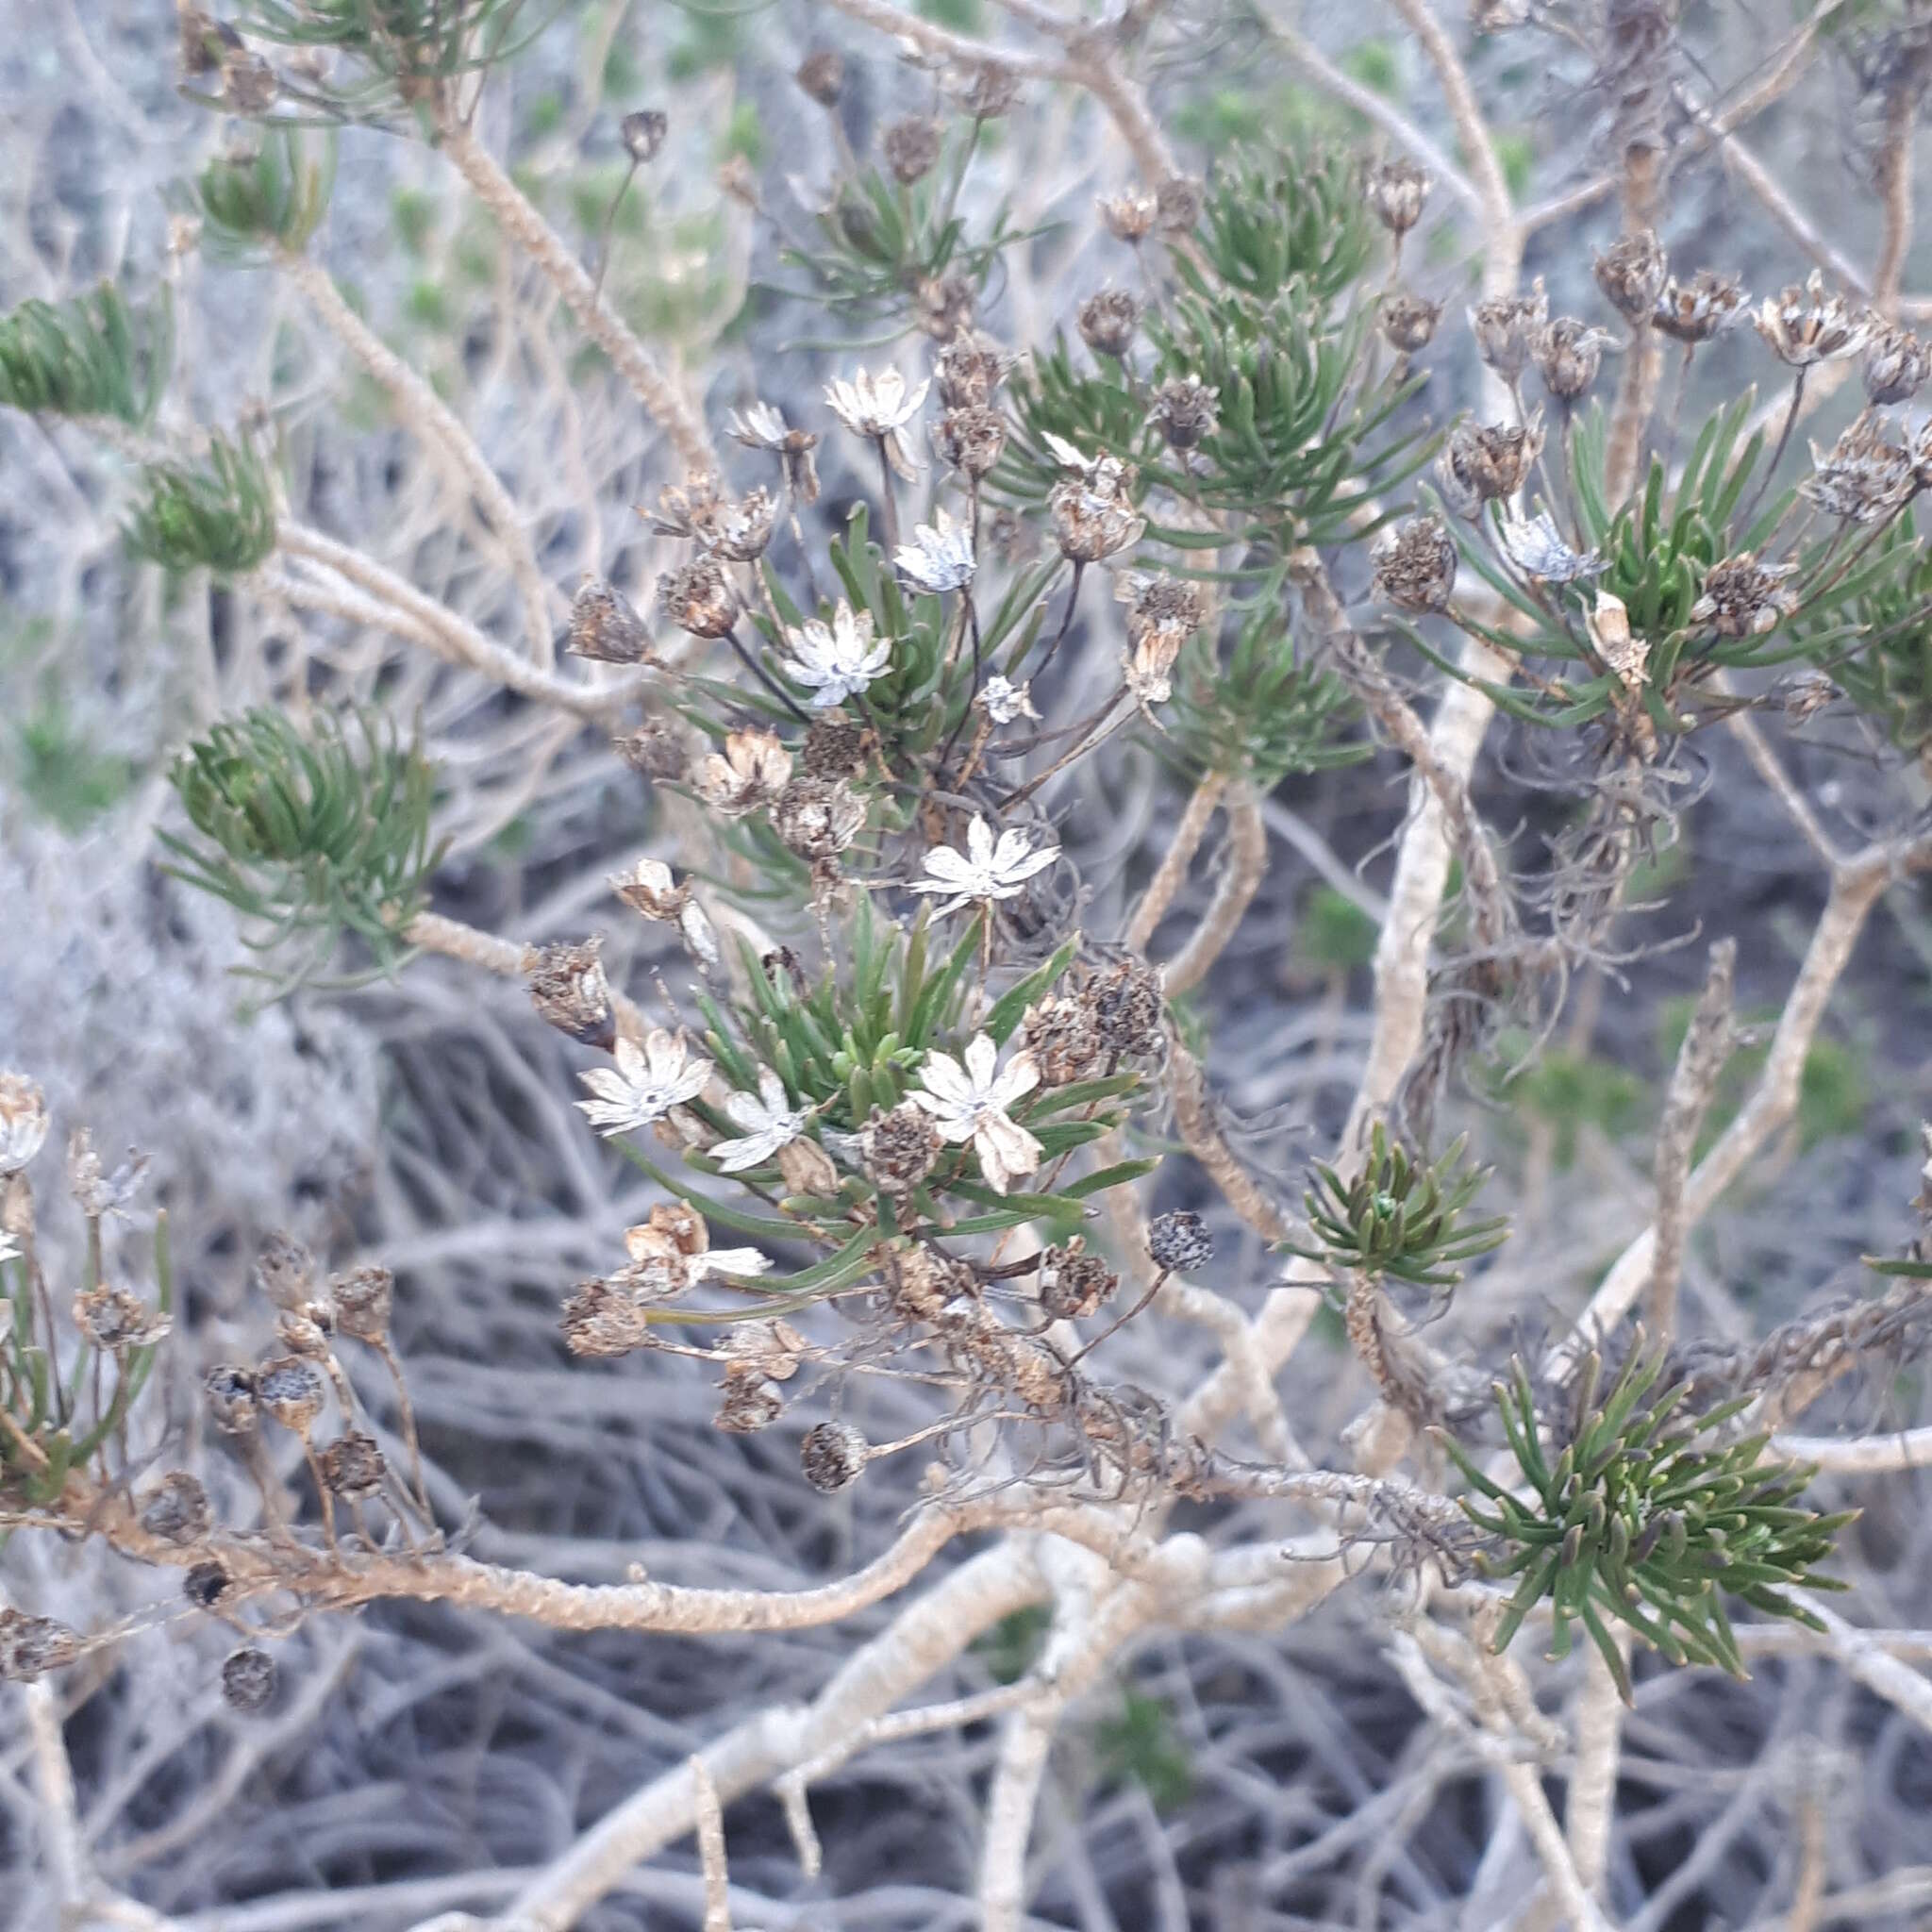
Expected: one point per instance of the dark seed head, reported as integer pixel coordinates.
(248, 1680)
(230, 1393)
(1179, 1242)
(205, 1585)
(1127, 1008)
(643, 133)
(1108, 322)
(290, 1390)
(353, 1465)
(176, 1509)
(832, 1455)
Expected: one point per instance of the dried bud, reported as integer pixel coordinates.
(1129, 216)
(1805, 326)
(822, 74)
(807, 1168)
(306, 1330)
(1694, 312)
(353, 1465)
(986, 90)
(604, 626)
(1803, 694)
(1129, 1009)
(1626, 656)
(1185, 409)
(1568, 354)
(1415, 565)
(1163, 612)
(1179, 1242)
(570, 992)
(899, 1148)
(833, 1456)
(1896, 365)
(1743, 598)
(1073, 1283)
(290, 1390)
(698, 597)
(22, 1122)
(248, 1680)
(32, 1646)
(363, 1300)
(1396, 191)
(945, 306)
(752, 770)
(766, 1349)
(176, 1509)
(1408, 322)
(655, 750)
(1108, 322)
(970, 370)
(643, 134)
(749, 1401)
(113, 1319)
(911, 147)
(1177, 204)
(1631, 273)
(971, 438)
(604, 1318)
(229, 1390)
(818, 819)
(205, 1585)
(1507, 325)
(285, 1270)
(1486, 463)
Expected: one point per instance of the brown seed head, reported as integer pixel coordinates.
(176, 1509)
(1568, 355)
(818, 819)
(1896, 365)
(1408, 322)
(971, 438)
(605, 625)
(822, 74)
(363, 1300)
(832, 1455)
(1396, 191)
(1507, 325)
(290, 1390)
(1487, 462)
(285, 1270)
(1129, 1009)
(1415, 565)
(911, 147)
(698, 597)
(656, 750)
(1177, 204)
(899, 1148)
(1108, 322)
(1063, 1037)
(113, 1319)
(229, 1390)
(570, 992)
(1129, 216)
(970, 370)
(1631, 274)
(643, 134)
(1743, 598)
(1074, 1283)
(1186, 410)
(1694, 312)
(353, 1465)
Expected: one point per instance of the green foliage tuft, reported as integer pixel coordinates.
(94, 356)
(218, 514)
(271, 199)
(310, 835)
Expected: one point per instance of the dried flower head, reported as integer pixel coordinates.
(1178, 205)
(985, 89)
(688, 509)
(32, 1646)
(289, 1391)
(1626, 656)
(205, 1584)
(643, 134)
(1415, 565)
(818, 818)
(248, 1680)
(176, 1509)
(1896, 365)
(1063, 1037)
(1631, 273)
(753, 770)
(1179, 1242)
(605, 625)
(1185, 410)
(1805, 326)
(1129, 216)
(1093, 513)
(22, 1122)
(1395, 191)
(1128, 1007)
(657, 749)
(879, 407)
(971, 438)
(899, 1148)
(1074, 1283)
(822, 74)
(969, 371)
(1002, 700)
(748, 1402)
(833, 1456)
(97, 1192)
(229, 1390)
(649, 1082)
(837, 747)
(603, 1319)
(765, 1121)
(698, 597)
(363, 1300)
(1743, 598)
(940, 556)
(1568, 355)
(651, 888)
(762, 426)
(1694, 312)
(969, 1102)
(837, 661)
(113, 1319)
(1408, 320)
(569, 990)
(1487, 462)
(742, 530)
(987, 870)
(353, 1465)
(1536, 548)
(1506, 328)
(944, 306)
(249, 83)
(1108, 322)
(1163, 612)
(1864, 478)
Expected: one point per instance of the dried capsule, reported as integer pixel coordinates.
(970, 370)
(1129, 1009)
(176, 1509)
(1108, 322)
(698, 597)
(911, 147)
(971, 438)
(1179, 1242)
(1074, 1283)
(569, 990)
(1568, 355)
(643, 134)
(832, 1455)
(1631, 273)
(362, 1301)
(1396, 191)
(1487, 462)
(1128, 217)
(230, 1393)
(1415, 565)
(1694, 312)
(248, 1680)
(113, 1319)
(1896, 365)
(657, 749)
(285, 1270)
(605, 625)
(1408, 322)
(750, 1401)
(290, 1390)
(822, 76)
(32, 1646)
(205, 1585)
(353, 1465)
(1507, 325)
(1185, 410)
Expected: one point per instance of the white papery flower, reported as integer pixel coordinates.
(879, 406)
(650, 1080)
(767, 1120)
(970, 1102)
(940, 556)
(986, 870)
(835, 661)
(8, 1252)
(23, 1121)
(1535, 547)
(1003, 700)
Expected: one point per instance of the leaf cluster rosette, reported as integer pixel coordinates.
(1650, 1515)
(216, 513)
(96, 355)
